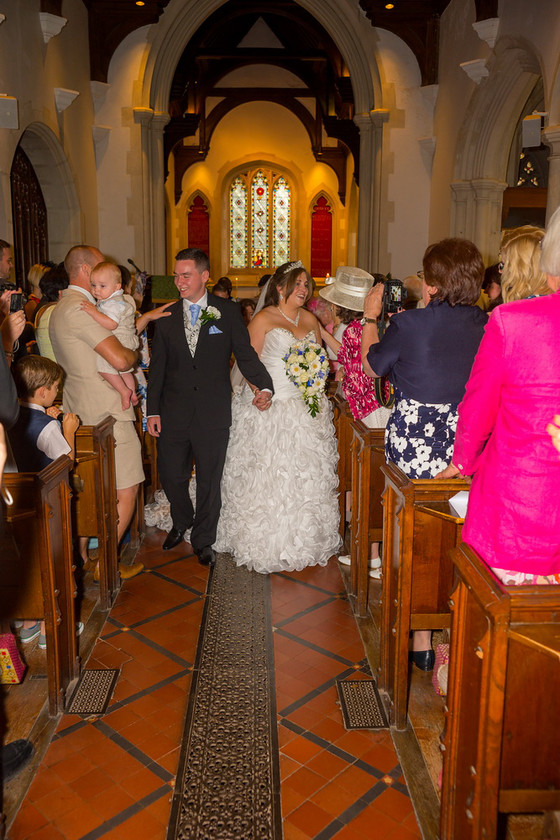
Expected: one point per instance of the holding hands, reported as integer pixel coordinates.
(262, 399)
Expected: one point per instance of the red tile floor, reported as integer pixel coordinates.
(112, 777)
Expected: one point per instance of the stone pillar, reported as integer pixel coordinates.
(153, 207)
(488, 194)
(551, 136)
(462, 210)
(369, 211)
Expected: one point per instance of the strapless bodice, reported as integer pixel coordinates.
(277, 342)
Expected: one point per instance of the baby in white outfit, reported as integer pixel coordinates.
(116, 312)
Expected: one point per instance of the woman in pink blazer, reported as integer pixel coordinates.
(513, 517)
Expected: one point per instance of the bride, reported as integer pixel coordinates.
(279, 486)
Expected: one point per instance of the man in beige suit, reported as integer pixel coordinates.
(77, 339)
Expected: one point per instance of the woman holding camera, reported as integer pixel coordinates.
(427, 354)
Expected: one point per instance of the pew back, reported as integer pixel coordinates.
(368, 456)
(419, 529)
(502, 739)
(342, 417)
(42, 584)
(95, 501)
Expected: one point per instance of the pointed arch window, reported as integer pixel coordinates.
(321, 238)
(260, 219)
(198, 224)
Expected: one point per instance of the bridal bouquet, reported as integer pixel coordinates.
(307, 367)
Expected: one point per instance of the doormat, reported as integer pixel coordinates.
(93, 692)
(361, 705)
(228, 781)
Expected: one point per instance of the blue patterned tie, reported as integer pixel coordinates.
(195, 309)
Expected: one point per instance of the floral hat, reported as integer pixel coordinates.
(349, 288)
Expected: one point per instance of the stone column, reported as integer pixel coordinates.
(488, 194)
(369, 211)
(153, 207)
(551, 136)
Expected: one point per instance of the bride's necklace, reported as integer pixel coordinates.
(294, 321)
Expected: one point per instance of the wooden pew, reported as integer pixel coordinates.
(41, 585)
(419, 530)
(95, 501)
(342, 421)
(502, 740)
(367, 481)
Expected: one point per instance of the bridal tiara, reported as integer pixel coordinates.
(291, 266)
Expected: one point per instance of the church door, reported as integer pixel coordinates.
(29, 216)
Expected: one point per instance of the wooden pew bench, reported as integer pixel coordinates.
(41, 585)
(419, 529)
(367, 482)
(94, 506)
(342, 422)
(502, 739)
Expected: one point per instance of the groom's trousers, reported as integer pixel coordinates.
(177, 451)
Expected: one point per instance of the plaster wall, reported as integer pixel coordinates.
(407, 158)
(119, 155)
(30, 70)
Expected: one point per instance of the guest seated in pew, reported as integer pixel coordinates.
(38, 439)
(513, 517)
(427, 355)
(346, 297)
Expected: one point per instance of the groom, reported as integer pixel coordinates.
(189, 398)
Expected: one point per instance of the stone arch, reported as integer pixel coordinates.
(184, 18)
(47, 156)
(482, 154)
(166, 43)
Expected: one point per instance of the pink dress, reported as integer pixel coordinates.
(357, 387)
(513, 518)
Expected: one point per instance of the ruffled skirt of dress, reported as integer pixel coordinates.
(280, 487)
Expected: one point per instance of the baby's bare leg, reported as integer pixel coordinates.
(130, 382)
(119, 384)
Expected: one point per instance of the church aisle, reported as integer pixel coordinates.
(113, 777)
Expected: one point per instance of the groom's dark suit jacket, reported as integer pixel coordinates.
(181, 386)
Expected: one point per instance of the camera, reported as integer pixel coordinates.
(394, 294)
(16, 302)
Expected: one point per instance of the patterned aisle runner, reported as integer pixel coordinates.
(228, 782)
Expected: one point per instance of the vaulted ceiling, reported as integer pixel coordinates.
(232, 38)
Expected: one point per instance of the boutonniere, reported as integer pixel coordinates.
(209, 314)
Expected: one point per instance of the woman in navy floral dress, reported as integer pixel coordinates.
(427, 355)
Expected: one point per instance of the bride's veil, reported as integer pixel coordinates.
(237, 379)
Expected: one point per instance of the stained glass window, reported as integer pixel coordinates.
(260, 220)
(281, 222)
(533, 167)
(238, 223)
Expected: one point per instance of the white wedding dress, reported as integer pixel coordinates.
(280, 485)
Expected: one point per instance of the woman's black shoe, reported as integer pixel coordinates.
(423, 659)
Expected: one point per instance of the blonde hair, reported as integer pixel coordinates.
(521, 255)
(110, 269)
(34, 275)
(550, 258)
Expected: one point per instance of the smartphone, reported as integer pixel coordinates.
(16, 302)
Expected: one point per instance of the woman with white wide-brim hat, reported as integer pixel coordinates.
(347, 295)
